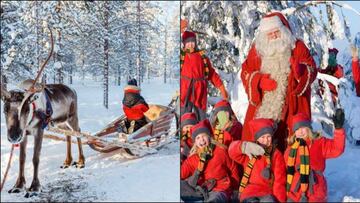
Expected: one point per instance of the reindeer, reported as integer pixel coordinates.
(28, 112)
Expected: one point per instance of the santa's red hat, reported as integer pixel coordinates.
(300, 120)
(261, 126)
(188, 119)
(187, 35)
(333, 50)
(202, 127)
(272, 21)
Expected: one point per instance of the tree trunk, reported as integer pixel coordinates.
(106, 55)
(165, 56)
(139, 45)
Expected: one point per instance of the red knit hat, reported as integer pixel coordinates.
(202, 127)
(272, 20)
(333, 50)
(187, 35)
(300, 120)
(261, 126)
(188, 119)
(222, 105)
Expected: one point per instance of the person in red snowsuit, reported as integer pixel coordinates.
(196, 70)
(134, 106)
(333, 69)
(187, 121)
(264, 176)
(277, 76)
(306, 156)
(208, 168)
(356, 69)
(225, 125)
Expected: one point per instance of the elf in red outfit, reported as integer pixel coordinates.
(195, 71)
(264, 176)
(277, 76)
(306, 156)
(208, 170)
(333, 69)
(356, 69)
(225, 124)
(134, 107)
(188, 120)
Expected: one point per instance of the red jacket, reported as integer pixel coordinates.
(220, 167)
(193, 68)
(337, 72)
(134, 105)
(319, 150)
(293, 104)
(356, 75)
(258, 185)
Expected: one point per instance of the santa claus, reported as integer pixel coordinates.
(277, 75)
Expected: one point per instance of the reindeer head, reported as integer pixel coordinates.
(12, 101)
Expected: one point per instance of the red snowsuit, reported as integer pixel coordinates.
(258, 185)
(319, 150)
(337, 72)
(134, 105)
(193, 81)
(219, 167)
(356, 75)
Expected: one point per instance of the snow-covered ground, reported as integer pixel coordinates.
(107, 177)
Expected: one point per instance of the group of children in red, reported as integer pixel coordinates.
(275, 156)
(217, 165)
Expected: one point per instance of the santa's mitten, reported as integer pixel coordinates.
(303, 84)
(266, 83)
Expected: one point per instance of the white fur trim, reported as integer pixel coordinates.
(132, 87)
(270, 23)
(307, 81)
(249, 85)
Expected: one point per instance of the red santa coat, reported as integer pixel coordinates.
(258, 185)
(251, 76)
(319, 150)
(193, 68)
(338, 72)
(220, 167)
(356, 75)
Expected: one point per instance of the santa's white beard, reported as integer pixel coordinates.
(275, 60)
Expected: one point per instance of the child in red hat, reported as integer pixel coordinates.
(305, 157)
(195, 71)
(264, 175)
(188, 120)
(225, 124)
(208, 170)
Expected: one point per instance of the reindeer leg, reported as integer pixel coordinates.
(68, 159)
(81, 161)
(35, 186)
(20, 182)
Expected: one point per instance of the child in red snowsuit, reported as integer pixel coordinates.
(208, 168)
(225, 124)
(305, 157)
(264, 176)
(134, 106)
(188, 120)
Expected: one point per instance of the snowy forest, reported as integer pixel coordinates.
(109, 41)
(226, 30)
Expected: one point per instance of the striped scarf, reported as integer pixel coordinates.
(203, 57)
(300, 145)
(249, 167)
(219, 135)
(205, 154)
(185, 136)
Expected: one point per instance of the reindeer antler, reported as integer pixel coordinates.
(46, 61)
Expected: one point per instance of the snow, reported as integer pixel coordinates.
(106, 177)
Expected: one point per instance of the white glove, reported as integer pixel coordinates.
(252, 149)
